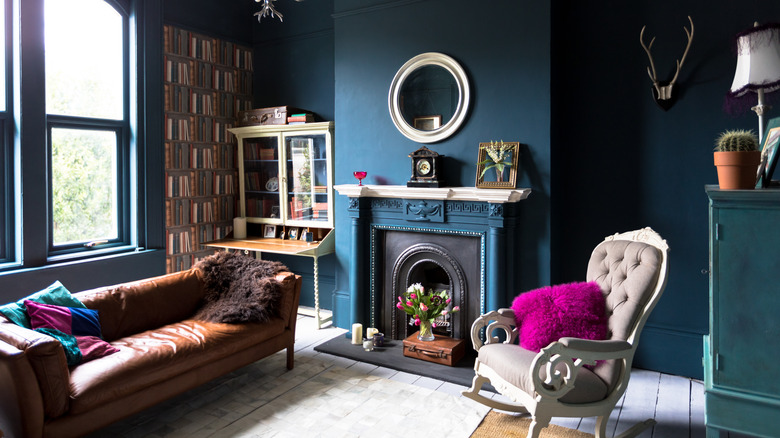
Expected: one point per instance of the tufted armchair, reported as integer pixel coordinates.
(631, 269)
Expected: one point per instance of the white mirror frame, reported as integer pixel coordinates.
(452, 125)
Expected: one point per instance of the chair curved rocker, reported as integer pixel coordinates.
(631, 269)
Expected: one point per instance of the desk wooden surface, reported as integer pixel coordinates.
(279, 246)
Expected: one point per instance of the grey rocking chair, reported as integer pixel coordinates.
(631, 269)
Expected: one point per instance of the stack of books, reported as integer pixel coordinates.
(298, 119)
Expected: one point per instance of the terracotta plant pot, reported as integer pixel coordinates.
(737, 170)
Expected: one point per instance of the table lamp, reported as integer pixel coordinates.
(758, 69)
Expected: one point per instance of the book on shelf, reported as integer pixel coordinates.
(266, 153)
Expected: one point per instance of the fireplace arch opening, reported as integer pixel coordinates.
(437, 261)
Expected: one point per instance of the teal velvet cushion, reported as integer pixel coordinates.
(55, 294)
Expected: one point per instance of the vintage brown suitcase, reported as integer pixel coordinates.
(276, 115)
(443, 349)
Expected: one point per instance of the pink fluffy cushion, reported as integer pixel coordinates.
(549, 313)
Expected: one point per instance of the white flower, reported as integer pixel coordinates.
(416, 287)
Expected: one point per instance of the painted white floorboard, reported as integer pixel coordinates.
(640, 401)
(674, 395)
(697, 409)
(676, 403)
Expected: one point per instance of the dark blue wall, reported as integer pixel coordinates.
(621, 163)
(506, 54)
(566, 79)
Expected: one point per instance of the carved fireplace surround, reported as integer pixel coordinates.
(467, 235)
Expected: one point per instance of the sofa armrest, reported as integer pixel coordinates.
(21, 407)
(291, 295)
(46, 358)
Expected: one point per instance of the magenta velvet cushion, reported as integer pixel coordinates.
(78, 330)
(549, 313)
(69, 320)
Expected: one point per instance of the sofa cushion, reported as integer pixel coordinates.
(147, 358)
(135, 307)
(69, 320)
(54, 294)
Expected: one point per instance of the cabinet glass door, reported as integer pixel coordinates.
(261, 177)
(307, 177)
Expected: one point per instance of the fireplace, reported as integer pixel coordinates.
(452, 238)
(438, 260)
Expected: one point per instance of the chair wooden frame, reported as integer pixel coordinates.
(544, 403)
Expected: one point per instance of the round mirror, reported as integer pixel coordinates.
(429, 97)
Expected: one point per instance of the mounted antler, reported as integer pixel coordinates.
(663, 91)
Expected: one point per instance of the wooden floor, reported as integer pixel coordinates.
(676, 403)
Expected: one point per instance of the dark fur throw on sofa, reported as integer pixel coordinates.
(239, 288)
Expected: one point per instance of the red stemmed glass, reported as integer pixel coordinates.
(359, 174)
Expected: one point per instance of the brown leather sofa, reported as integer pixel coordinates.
(162, 353)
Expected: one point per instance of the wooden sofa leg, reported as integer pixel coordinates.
(290, 357)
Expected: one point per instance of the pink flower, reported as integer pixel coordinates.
(413, 296)
(400, 306)
(417, 321)
(433, 324)
(400, 299)
(409, 303)
(423, 307)
(456, 308)
(448, 300)
(444, 313)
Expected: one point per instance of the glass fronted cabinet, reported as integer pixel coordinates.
(286, 194)
(286, 174)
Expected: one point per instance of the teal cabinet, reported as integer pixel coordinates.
(742, 352)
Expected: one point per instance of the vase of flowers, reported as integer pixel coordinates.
(425, 306)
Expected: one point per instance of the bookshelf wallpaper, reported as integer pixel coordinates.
(207, 82)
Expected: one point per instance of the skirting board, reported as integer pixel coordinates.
(671, 352)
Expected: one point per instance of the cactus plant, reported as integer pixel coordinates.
(738, 140)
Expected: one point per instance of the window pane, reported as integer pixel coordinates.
(84, 69)
(84, 185)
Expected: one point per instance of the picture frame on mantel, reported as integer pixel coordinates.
(488, 176)
(427, 123)
(769, 153)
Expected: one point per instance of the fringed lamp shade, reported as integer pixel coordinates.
(758, 69)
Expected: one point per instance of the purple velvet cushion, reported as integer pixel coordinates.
(69, 320)
(549, 313)
(78, 330)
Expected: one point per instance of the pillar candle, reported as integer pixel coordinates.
(239, 227)
(368, 344)
(357, 333)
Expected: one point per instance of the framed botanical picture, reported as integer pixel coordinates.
(427, 123)
(497, 165)
(769, 153)
(269, 231)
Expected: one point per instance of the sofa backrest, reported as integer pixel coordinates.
(134, 307)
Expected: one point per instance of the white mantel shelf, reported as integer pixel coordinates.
(496, 196)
